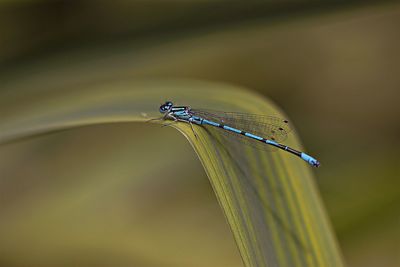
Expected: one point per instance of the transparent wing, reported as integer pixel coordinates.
(265, 126)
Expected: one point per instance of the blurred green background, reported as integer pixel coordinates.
(91, 196)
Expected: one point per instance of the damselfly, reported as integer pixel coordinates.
(249, 127)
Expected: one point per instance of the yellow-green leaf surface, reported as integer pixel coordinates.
(269, 199)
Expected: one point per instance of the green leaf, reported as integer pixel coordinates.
(269, 199)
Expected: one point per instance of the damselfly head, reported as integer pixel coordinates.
(166, 107)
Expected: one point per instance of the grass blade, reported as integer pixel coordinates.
(269, 199)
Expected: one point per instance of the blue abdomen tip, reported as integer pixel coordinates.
(310, 160)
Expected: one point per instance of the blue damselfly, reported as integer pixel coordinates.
(250, 128)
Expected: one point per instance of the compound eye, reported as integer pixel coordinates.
(163, 108)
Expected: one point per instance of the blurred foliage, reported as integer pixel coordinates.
(79, 199)
(332, 66)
